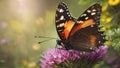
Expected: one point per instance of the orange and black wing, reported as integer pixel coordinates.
(64, 21)
(86, 34)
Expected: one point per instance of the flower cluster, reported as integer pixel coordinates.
(114, 2)
(110, 22)
(61, 58)
(112, 60)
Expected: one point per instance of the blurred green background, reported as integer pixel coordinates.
(22, 21)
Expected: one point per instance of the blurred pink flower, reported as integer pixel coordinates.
(115, 66)
(4, 41)
(113, 60)
(61, 58)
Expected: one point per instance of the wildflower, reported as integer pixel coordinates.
(115, 66)
(16, 26)
(113, 60)
(35, 47)
(4, 41)
(108, 42)
(61, 58)
(103, 28)
(106, 18)
(31, 64)
(104, 8)
(113, 2)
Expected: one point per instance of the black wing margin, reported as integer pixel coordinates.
(62, 15)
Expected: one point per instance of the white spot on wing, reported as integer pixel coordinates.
(91, 48)
(99, 41)
(94, 10)
(86, 18)
(66, 9)
(103, 37)
(102, 34)
(60, 30)
(98, 29)
(83, 15)
(68, 13)
(61, 10)
(79, 21)
(62, 17)
(88, 11)
(91, 25)
(93, 13)
(60, 25)
(56, 20)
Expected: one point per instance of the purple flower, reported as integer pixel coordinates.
(61, 58)
(113, 59)
(4, 41)
(115, 66)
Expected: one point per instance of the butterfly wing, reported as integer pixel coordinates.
(86, 34)
(64, 21)
(87, 39)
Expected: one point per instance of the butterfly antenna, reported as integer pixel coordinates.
(45, 37)
(45, 40)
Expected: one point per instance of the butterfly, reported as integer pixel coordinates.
(80, 34)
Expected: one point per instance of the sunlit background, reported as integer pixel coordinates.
(23, 21)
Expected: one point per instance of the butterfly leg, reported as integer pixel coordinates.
(60, 44)
(64, 44)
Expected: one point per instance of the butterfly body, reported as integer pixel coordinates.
(82, 33)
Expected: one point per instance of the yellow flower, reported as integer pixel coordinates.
(103, 28)
(103, 18)
(104, 8)
(25, 62)
(108, 27)
(113, 2)
(31, 64)
(17, 26)
(108, 19)
(36, 46)
(108, 43)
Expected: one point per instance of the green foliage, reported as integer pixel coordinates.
(114, 36)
